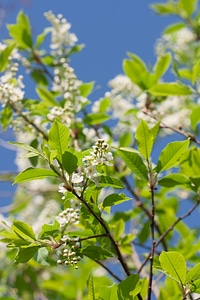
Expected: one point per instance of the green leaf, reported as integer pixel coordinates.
(90, 285)
(118, 229)
(25, 253)
(33, 174)
(172, 180)
(96, 118)
(127, 286)
(162, 65)
(59, 136)
(86, 88)
(170, 89)
(165, 8)
(106, 181)
(193, 274)
(49, 229)
(174, 27)
(171, 154)
(21, 31)
(70, 162)
(26, 147)
(188, 6)
(136, 70)
(108, 292)
(96, 252)
(195, 117)
(46, 96)
(41, 256)
(23, 230)
(6, 116)
(173, 263)
(114, 199)
(4, 55)
(39, 77)
(145, 138)
(134, 163)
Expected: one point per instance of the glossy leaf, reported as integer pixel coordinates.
(21, 31)
(172, 180)
(23, 230)
(127, 286)
(188, 6)
(70, 162)
(25, 253)
(173, 263)
(59, 136)
(4, 55)
(114, 199)
(171, 154)
(96, 252)
(108, 292)
(174, 27)
(162, 65)
(134, 163)
(41, 256)
(86, 88)
(26, 147)
(193, 274)
(110, 181)
(170, 89)
(145, 138)
(90, 285)
(33, 174)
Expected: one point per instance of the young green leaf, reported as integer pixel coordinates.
(172, 180)
(41, 256)
(86, 88)
(27, 148)
(136, 70)
(108, 292)
(195, 117)
(70, 162)
(46, 96)
(96, 252)
(174, 265)
(145, 138)
(193, 274)
(170, 89)
(127, 286)
(171, 154)
(59, 136)
(134, 162)
(4, 55)
(174, 27)
(106, 181)
(90, 285)
(25, 253)
(188, 6)
(162, 65)
(23, 230)
(33, 174)
(114, 199)
(96, 118)
(21, 31)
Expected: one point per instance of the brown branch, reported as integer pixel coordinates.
(108, 270)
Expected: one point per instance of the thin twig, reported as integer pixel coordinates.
(187, 214)
(108, 270)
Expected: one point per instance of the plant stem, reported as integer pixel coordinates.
(153, 243)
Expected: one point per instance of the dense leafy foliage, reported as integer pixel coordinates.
(101, 211)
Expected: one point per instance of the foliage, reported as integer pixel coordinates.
(100, 212)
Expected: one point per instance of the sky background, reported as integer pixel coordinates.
(108, 28)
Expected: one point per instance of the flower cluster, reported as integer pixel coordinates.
(99, 156)
(69, 216)
(11, 86)
(68, 251)
(61, 38)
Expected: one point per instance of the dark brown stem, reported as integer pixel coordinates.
(101, 221)
(108, 270)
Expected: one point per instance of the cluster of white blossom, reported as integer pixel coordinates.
(11, 86)
(69, 216)
(178, 42)
(61, 37)
(68, 251)
(99, 156)
(66, 85)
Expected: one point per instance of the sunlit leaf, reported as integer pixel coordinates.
(33, 174)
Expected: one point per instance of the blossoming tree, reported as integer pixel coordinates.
(100, 212)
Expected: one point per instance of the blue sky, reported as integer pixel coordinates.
(108, 28)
